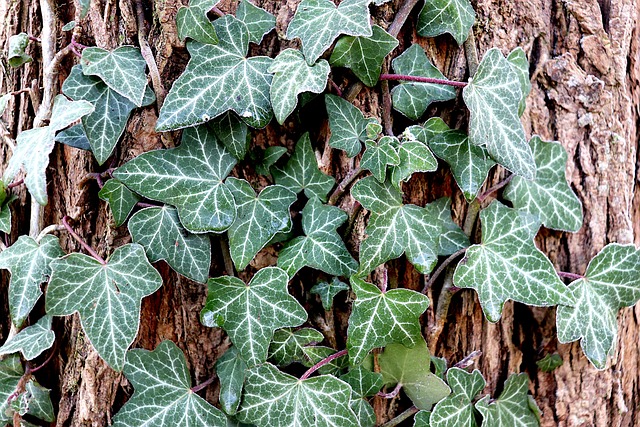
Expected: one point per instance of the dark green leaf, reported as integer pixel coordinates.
(121, 200)
(233, 133)
(287, 345)
(258, 21)
(380, 154)
(328, 290)
(550, 362)
(455, 17)
(16, 55)
(511, 408)
(231, 370)
(32, 340)
(456, 410)
(348, 125)
(192, 21)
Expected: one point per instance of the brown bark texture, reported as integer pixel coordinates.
(585, 71)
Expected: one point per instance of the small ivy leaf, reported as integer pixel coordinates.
(380, 318)
(439, 366)
(414, 156)
(612, 281)
(69, 26)
(301, 172)
(251, 313)
(363, 382)
(550, 362)
(11, 372)
(364, 55)
(219, 78)
(159, 231)
(422, 419)
(84, 7)
(192, 21)
(121, 200)
(413, 98)
(327, 290)
(455, 17)
(348, 125)
(16, 55)
(36, 401)
(373, 129)
(315, 354)
(549, 196)
(508, 265)
(5, 213)
(452, 238)
(33, 146)
(259, 22)
(75, 137)
(520, 64)
(231, 371)
(317, 23)
(162, 396)
(273, 399)
(511, 408)
(456, 410)
(32, 340)
(322, 247)
(233, 133)
(493, 96)
(189, 177)
(378, 155)
(287, 345)
(107, 297)
(29, 264)
(269, 158)
(410, 367)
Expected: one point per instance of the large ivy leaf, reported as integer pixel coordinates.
(16, 55)
(162, 395)
(364, 55)
(512, 408)
(327, 291)
(322, 247)
(493, 96)
(292, 76)
(520, 65)
(379, 154)
(455, 17)
(220, 78)
(348, 125)
(548, 197)
(233, 133)
(507, 265)
(380, 318)
(317, 23)
(413, 98)
(275, 399)
(258, 21)
(29, 264)
(34, 146)
(75, 136)
(188, 177)
(414, 156)
(612, 281)
(287, 345)
(121, 200)
(107, 297)
(363, 383)
(456, 410)
(32, 340)
(301, 172)
(231, 371)
(10, 373)
(192, 21)
(159, 231)
(251, 313)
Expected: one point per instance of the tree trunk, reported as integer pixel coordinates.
(585, 72)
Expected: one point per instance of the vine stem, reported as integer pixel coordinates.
(468, 360)
(342, 187)
(202, 386)
(147, 205)
(226, 256)
(323, 362)
(400, 418)
(393, 392)
(482, 196)
(571, 276)
(419, 79)
(440, 269)
(147, 54)
(85, 245)
(16, 183)
(49, 229)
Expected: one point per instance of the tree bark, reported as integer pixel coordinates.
(585, 71)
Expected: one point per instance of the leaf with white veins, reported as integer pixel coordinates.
(11, 372)
(287, 345)
(231, 371)
(328, 290)
(378, 155)
(192, 21)
(456, 410)
(348, 125)
(520, 65)
(233, 133)
(121, 200)
(414, 157)
(32, 340)
(259, 22)
(455, 17)
(512, 408)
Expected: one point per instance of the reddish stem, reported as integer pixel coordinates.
(393, 393)
(440, 269)
(77, 44)
(147, 205)
(34, 39)
(94, 254)
(43, 364)
(323, 362)
(336, 88)
(199, 387)
(217, 11)
(571, 276)
(18, 92)
(468, 361)
(404, 77)
(482, 196)
(16, 183)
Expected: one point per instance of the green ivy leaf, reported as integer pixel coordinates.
(508, 265)
(159, 231)
(233, 133)
(520, 64)
(5, 213)
(439, 365)
(4, 100)
(83, 6)
(413, 98)
(455, 17)
(512, 407)
(192, 21)
(327, 290)
(121, 200)
(231, 370)
(363, 383)
(75, 136)
(550, 362)
(16, 55)
(414, 157)
(269, 158)
(275, 399)
(36, 401)
(317, 23)
(287, 345)
(107, 297)
(188, 177)
(321, 247)
(493, 96)
(456, 410)
(612, 281)
(11, 372)
(259, 22)
(452, 238)
(548, 197)
(162, 396)
(364, 55)
(219, 78)
(29, 264)
(251, 313)
(315, 354)
(379, 154)
(32, 340)
(348, 125)
(69, 26)
(422, 419)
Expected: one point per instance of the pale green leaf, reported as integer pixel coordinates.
(259, 22)
(348, 125)
(550, 362)
(83, 7)
(520, 65)
(511, 408)
(192, 21)
(32, 340)
(16, 55)
(69, 26)
(439, 365)
(121, 200)
(455, 17)
(10, 373)
(456, 410)
(75, 137)
(327, 290)
(422, 419)
(373, 129)
(5, 214)
(269, 158)
(231, 371)
(4, 100)
(233, 133)
(379, 154)
(287, 345)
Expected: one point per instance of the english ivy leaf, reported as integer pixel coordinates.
(380, 154)
(413, 98)
(162, 392)
(455, 17)
(317, 23)
(612, 281)
(69, 26)
(550, 362)
(287, 345)
(292, 76)
(348, 125)
(188, 177)
(5, 213)
(314, 354)
(414, 157)
(364, 412)
(259, 22)
(16, 55)
(32, 340)
(452, 238)
(121, 200)
(107, 297)
(493, 96)
(439, 366)
(269, 158)
(411, 368)
(273, 399)
(84, 7)
(231, 370)
(192, 21)
(29, 264)
(328, 290)
(322, 247)
(364, 55)
(33, 146)
(456, 410)
(511, 408)
(36, 401)
(422, 419)
(219, 78)
(363, 382)
(75, 137)
(251, 313)
(233, 133)
(380, 318)
(520, 65)
(11, 372)
(159, 231)
(548, 197)
(301, 172)
(508, 265)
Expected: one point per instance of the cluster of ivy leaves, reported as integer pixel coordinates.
(219, 97)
